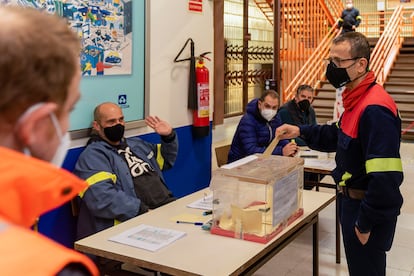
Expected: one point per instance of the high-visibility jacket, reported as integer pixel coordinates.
(28, 188)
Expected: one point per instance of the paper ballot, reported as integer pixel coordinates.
(148, 237)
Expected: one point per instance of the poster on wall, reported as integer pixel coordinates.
(105, 29)
(112, 57)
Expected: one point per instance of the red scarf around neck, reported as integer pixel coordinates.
(350, 97)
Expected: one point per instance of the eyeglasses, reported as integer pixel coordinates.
(337, 61)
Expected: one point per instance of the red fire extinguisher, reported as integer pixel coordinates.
(201, 115)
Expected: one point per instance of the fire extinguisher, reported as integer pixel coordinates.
(198, 91)
(201, 115)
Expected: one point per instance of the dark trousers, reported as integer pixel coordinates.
(368, 259)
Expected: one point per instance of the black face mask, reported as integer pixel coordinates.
(304, 105)
(114, 133)
(337, 76)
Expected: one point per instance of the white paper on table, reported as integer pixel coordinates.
(205, 203)
(148, 237)
(325, 164)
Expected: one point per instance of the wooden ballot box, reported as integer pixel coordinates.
(257, 197)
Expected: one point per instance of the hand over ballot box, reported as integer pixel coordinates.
(256, 197)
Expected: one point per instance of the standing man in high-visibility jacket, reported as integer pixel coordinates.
(39, 87)
(368, 169)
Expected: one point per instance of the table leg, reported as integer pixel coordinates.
(337, 231)
(315, 227)
(318, 181)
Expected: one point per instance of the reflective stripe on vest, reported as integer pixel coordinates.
(383, 165)
(160, 159)
(98, 177)
(345, 177)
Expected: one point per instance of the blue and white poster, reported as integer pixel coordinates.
(112, 58)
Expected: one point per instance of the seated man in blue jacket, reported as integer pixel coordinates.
(124, 175)
(257, 127)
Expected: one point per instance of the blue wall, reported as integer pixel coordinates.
(191, 172)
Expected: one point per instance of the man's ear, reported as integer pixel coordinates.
(95, 125)
(364, 64)
(33, 122)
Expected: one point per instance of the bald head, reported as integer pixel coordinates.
(105, 110)
(108, 118)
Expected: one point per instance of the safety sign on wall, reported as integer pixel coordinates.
(195, 5)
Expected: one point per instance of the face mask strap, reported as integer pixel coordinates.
(26, 114)
(56, 125)
(29, 111)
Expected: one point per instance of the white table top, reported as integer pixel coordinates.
(199, 252)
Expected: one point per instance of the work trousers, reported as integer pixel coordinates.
(368, 259)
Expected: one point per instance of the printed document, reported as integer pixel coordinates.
(205, 203)
(148, 237)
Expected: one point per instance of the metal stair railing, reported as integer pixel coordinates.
(314, 69)
(387, 47)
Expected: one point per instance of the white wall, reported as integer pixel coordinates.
(170, 25)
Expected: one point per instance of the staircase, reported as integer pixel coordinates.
(266, 6)
(400, 85)
(323, 102)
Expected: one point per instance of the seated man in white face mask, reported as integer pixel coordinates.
(256, 129)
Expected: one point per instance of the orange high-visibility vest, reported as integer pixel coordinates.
(25, 252)
(29, 188)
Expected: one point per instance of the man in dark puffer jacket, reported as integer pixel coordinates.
(256, 129)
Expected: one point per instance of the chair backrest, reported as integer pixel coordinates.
(222, 153)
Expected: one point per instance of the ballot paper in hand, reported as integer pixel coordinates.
(148, 237)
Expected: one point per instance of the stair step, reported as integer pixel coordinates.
(399, 79)
(407, 50)
(401, 69)
(409, 40)
(407, 44)
(403, 57)
(323, 110)
(406, 121)
(408, 82)
(323, 104)
(397, 89)
(326, 93)
(407, 93)
(401, 73)
(408, 66)
(404, 61)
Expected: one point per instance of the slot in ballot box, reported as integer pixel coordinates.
(256, 197)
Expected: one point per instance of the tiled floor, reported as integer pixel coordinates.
(296, 259)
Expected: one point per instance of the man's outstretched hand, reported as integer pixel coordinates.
(161, 127)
